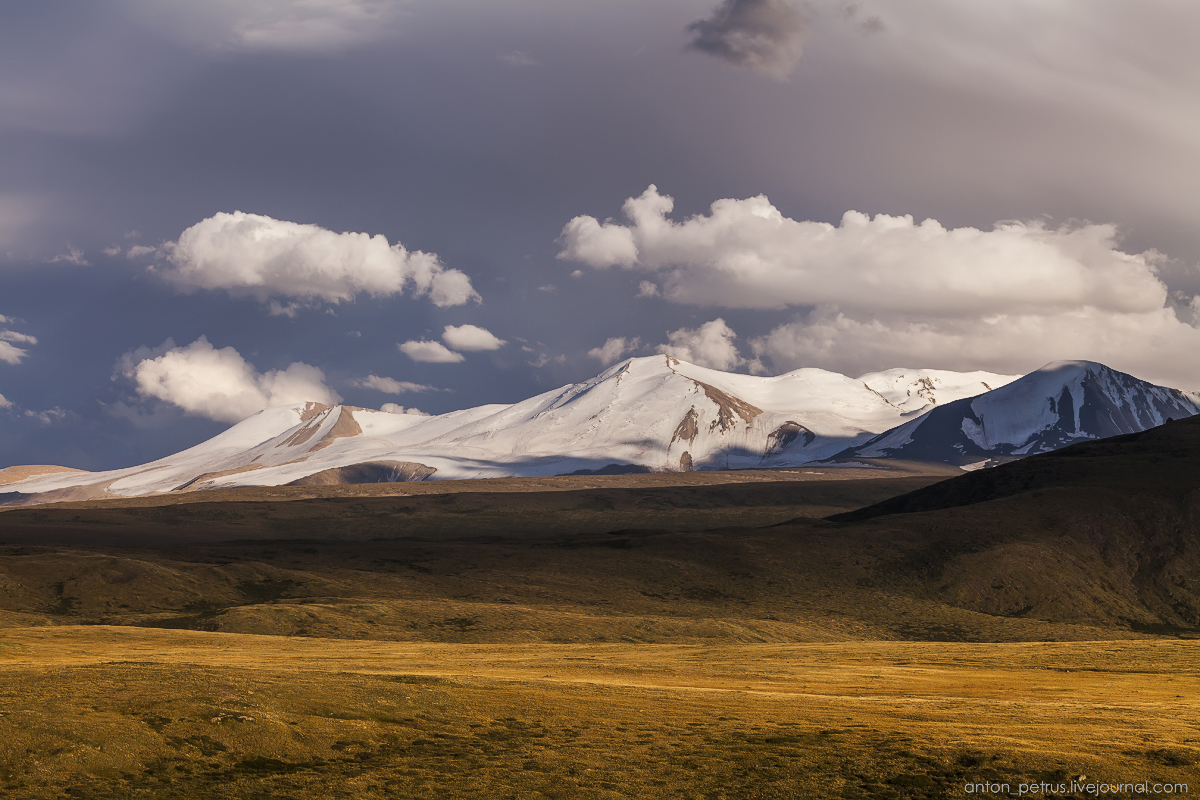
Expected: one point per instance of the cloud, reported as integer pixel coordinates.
(1153, 345)
(430, 352)
(73, 256)
(390, 385)
(545, 358)
(47, 417)
(392, 408)
(614, 349)
(5, 402)
(471, 337)
(250, 254)
(600, 245)
(648, 289)
(138, 251)
(874, 293)
(746, 254)
(765, 35)
(867, 25)
(519, 58)
(220, 384)
(291, 26)
(710, 345)
(9, 352)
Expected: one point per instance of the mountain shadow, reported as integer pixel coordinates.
(1105, 532)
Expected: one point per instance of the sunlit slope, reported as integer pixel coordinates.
(654, 413)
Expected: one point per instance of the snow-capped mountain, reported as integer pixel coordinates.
(1060, 404)
(654, 413)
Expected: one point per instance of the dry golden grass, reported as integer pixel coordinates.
(614, 640)
(117, 712)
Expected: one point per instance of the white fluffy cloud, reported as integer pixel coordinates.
(392, 408)
(219, 384)
(461, 337)
(884, 291)
(10, 353)
(710, 345)
(599, 244)
(390, 385)
(614, 349)
(471, 337)
(746, 254)
(5, 402)
(430, 352)
(250, 254)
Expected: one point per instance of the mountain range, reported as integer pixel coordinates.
(652, 414)
(1058, 405)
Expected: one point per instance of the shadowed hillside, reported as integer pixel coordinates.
(1094, 541)
(1106, 532)
(1161, 462)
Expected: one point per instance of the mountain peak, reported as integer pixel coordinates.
(656, 413)
(1074, 366)
(1061, 403)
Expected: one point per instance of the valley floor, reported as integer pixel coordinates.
(103, 712)
(599, 638)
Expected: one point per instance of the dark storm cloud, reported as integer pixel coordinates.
(765, 35)
(431, 127)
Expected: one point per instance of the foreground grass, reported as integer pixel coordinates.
(119, 712)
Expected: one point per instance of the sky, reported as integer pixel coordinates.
(208, 208)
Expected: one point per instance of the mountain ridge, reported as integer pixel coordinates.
(653, 413)
(1060, 404)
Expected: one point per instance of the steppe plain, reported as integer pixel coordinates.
(691, 635)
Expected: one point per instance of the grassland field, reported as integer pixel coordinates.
(591, 637)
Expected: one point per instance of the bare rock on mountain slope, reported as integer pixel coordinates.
(369, 472)
(654, 413)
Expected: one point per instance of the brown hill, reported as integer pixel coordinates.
(1095, 541)
(1162, 462)
(1104, 532)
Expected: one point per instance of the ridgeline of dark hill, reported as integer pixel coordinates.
(1162, 461)
(1104, 532)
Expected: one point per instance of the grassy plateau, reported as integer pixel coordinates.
(842, 632)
